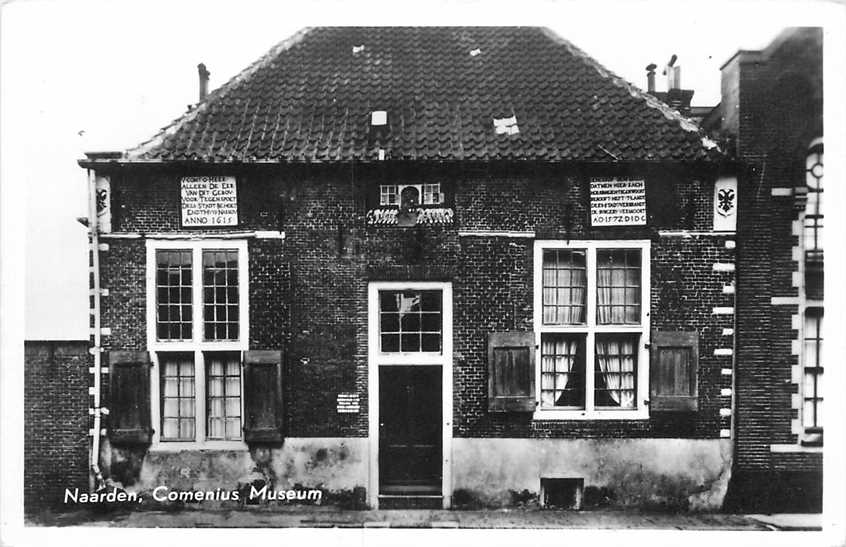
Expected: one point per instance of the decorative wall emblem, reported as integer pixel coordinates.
(725, 204)
(103, 201)
(428, 215)
(725, 201)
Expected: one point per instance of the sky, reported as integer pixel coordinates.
(85, 75)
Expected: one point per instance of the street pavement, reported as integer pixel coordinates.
(320, 517)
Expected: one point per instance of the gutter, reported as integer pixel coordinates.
(97, 481)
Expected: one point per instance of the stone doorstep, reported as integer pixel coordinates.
(377, 524)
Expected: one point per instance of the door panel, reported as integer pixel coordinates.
(410, 429)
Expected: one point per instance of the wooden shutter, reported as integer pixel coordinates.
(129, 405)
(511, 371)
(263, 406)
(674, 367)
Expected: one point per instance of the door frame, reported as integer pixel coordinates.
(376, 359)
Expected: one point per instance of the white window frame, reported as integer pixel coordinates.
(400, 187)
(591, 328)
(378, 358)
(197, 345)
(809, 303)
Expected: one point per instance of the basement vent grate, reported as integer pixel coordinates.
(561, 493)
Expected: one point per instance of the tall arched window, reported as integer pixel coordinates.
(814, 223)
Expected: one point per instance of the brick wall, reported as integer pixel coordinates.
(308, 293)
(56, 421)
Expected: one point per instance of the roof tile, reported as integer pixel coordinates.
(310, 98)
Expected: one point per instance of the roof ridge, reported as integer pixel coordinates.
(176, 124)
(669, 113)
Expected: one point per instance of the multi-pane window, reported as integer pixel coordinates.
(197, 333)
(564, 286)
(220, 294)
(589, 301)
(618, 286)
(173, 294)
(813, 224)
(223, 393)
(812, 416)
(425, 194)
(616, 366)
(432, 194)
(410, 321)
(811, 412)
(178, 396)
(388, 194)
(562, 371)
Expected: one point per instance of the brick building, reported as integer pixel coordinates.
(444, 266)
(770, 118)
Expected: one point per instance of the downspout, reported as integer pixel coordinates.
(97, 350)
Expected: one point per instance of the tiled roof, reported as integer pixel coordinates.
(310, 99)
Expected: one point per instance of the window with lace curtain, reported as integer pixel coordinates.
(591, 305)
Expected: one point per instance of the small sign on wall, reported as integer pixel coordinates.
(209, 201)
(725, 204)
(617, 202)
(348, 403)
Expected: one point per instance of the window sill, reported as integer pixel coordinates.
(598, 415)
(190, 347)
(179, 446)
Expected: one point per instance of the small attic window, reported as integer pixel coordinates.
(357, 49)
(475, 52)
(506, 126)
(392, 194)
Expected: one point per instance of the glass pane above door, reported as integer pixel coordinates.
(410, 321)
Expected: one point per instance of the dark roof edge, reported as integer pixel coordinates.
(176, 124)
(124, 163)
(741, 52)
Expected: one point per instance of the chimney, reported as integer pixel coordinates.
(204, 80)
(673, 74)
(650, 77)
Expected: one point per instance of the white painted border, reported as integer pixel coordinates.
(186, 236)
(377, 359)
(802, 303)
(496, 233)
(197, 345)
(641, 411)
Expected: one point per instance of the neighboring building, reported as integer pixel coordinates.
(56, 441)
(419, 266)
(770, 119)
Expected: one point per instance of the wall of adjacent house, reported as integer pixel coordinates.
(56, 402)
(308, 292)
(780, 113)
